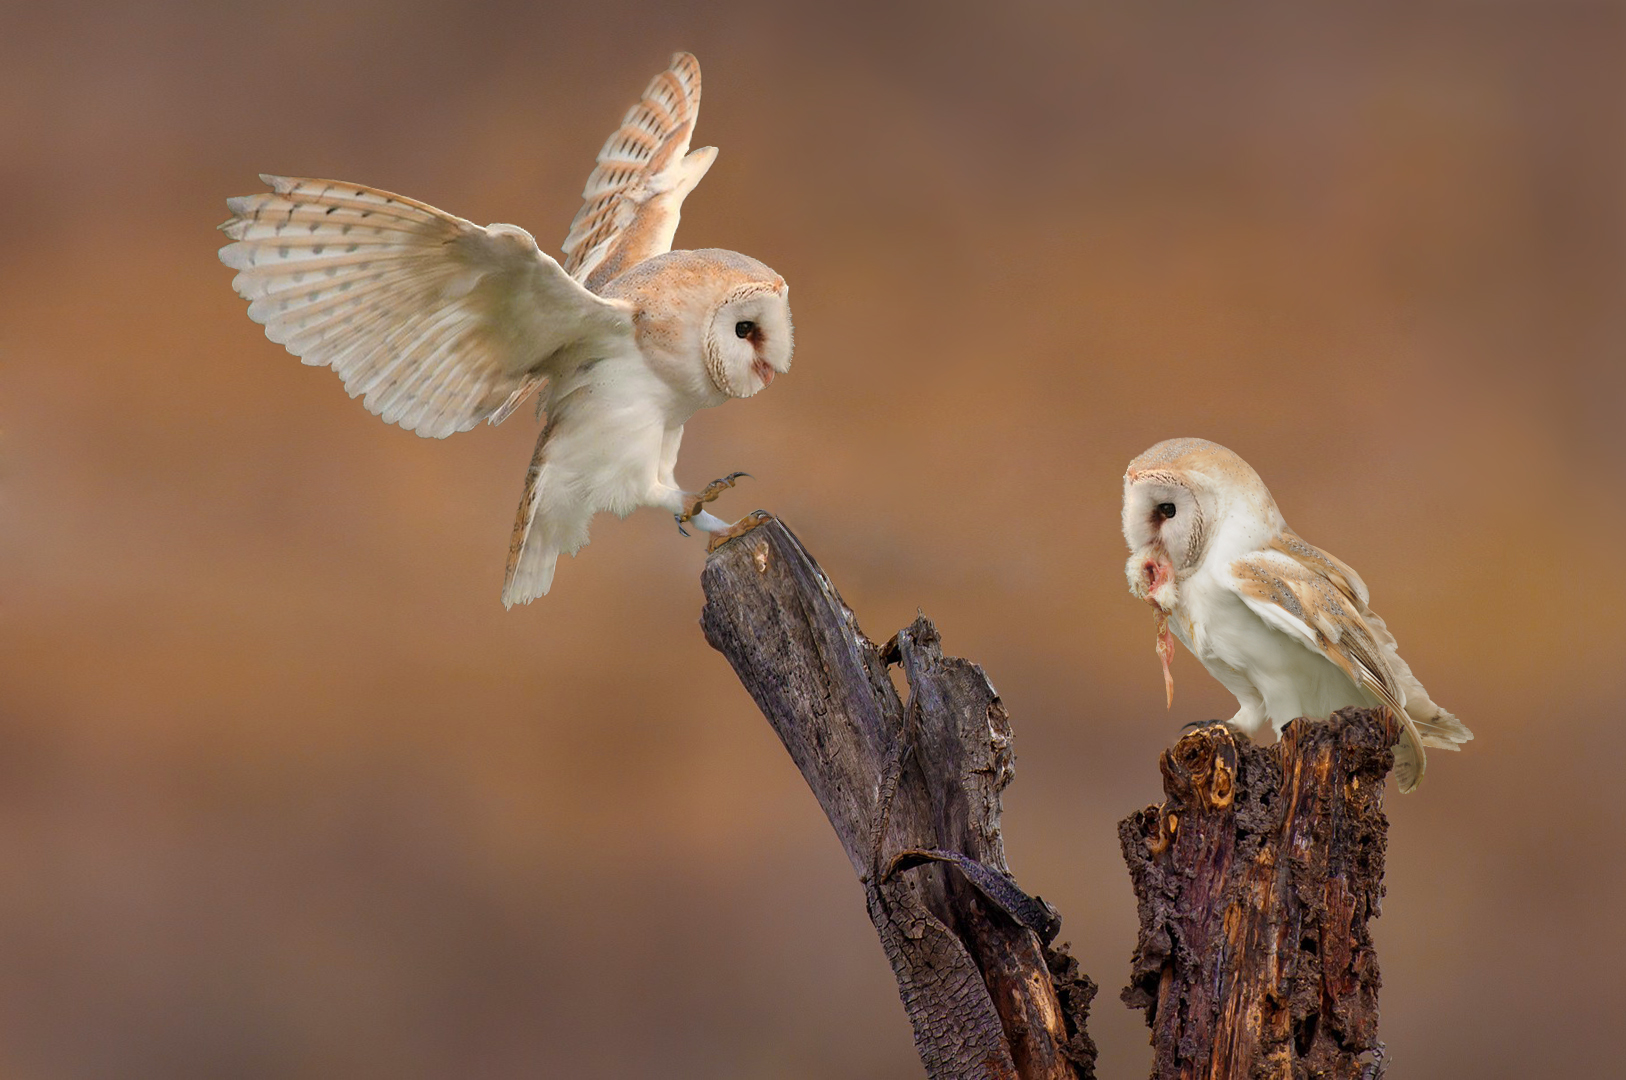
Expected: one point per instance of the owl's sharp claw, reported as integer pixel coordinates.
(680, 519)
(739, 528)
(716, 488)
(710, 492)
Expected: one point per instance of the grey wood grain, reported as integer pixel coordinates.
(912, 790)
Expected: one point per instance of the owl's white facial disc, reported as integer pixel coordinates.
(1162, 510)
(1163, 523)
(748, 338)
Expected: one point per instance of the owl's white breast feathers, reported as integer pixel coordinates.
(436, 322)
(604, 448)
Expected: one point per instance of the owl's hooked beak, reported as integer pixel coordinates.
(1151, 578)
(763, 370)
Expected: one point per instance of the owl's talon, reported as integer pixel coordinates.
(709, 493)
(680, 519)
(738, 529)
(716, 488)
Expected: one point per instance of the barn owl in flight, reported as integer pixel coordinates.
(438, 324)
(1281, 623)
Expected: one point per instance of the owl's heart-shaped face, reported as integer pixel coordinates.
(749, 338)
(1163, 513)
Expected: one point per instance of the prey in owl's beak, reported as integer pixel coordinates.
(1152, 579)
(1165, 653)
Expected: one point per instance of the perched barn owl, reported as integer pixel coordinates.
(1282, 624)
(439, 324)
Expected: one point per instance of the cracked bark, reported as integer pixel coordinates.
(913, 793)
(1255, 881)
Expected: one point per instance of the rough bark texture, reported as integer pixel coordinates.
(913, 792)
(1255, 880)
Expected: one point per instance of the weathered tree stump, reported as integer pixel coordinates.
(913, 792)
(1255, 881)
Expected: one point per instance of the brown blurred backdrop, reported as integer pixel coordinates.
(284, 792)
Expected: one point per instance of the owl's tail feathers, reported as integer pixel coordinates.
(530, 575)
(1410, 761)
(1410, 758)
(530, 557)
(1435, 726)
(1440, 730)
(1424, 724)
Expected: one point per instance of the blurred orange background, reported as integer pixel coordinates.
(285, 792)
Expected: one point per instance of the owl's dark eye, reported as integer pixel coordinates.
(1165, 510)
(744, 328)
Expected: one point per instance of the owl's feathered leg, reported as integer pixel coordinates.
(721, 531)
(704, 522)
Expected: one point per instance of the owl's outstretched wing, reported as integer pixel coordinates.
(634, 196)
(437, 322)
(1318, 600)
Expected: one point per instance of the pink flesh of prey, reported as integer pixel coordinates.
(1158, 573)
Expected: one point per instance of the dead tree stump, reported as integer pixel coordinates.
(913, 792)
(1255, 881)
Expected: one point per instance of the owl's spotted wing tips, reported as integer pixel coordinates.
(382, 289)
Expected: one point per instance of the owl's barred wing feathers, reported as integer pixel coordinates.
(436, 322)
(1301, 591)
(1318, 599)
(530, 562)
(634, 196)
(1438, 728)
